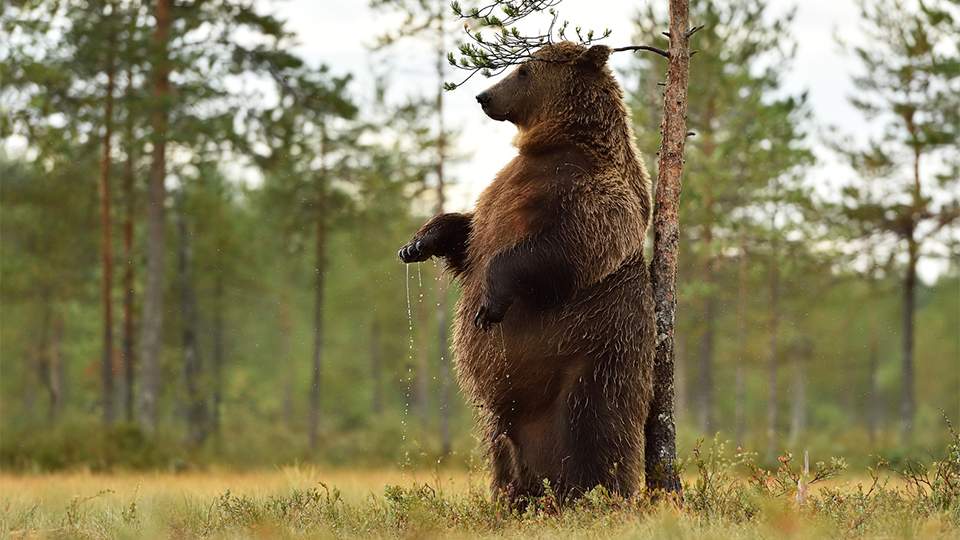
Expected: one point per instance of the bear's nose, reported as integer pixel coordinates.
(483, 98)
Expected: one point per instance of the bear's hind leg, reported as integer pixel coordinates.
(512, 480)
(603, 445)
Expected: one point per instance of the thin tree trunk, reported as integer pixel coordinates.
(906, 373)
(741, 385)
(375, 368)
(772, 373)
(129, 360)
(321, 268)
(660, 431)
(108, 393)
(196, 407)
(149, 412)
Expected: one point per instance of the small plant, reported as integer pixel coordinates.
(73, 509)
(786, 478)
(936, 487)
(130, 515)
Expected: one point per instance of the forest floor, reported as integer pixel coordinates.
(724, 498)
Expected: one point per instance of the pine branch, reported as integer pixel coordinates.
(491, 56)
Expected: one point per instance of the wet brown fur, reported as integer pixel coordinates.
(554, 329)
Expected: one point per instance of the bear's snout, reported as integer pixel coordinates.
(483, 98)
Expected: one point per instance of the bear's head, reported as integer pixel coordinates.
(550, 82)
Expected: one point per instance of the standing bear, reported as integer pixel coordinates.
(554, 328)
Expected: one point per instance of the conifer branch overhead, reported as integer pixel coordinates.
(507, 47)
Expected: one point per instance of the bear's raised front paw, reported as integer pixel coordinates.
(413, 252)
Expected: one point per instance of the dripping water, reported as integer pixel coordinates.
(405, 381)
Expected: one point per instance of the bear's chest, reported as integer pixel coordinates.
(522, 201)
(512, 208)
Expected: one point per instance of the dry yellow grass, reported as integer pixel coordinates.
(59, 489)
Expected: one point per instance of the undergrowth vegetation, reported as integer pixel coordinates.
(725, 496)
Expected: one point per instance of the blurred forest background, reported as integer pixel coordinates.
(199, 237)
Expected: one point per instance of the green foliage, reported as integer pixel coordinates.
(83, 442)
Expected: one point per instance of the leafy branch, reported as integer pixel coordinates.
(490, 56)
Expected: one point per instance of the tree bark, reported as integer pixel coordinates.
(196, 406)
(108, 393)
(660, 431)
(151, 334)
(906, 370)
(127, 353)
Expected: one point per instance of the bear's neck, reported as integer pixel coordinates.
(602, 140)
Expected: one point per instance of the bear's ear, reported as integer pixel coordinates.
(594, 57)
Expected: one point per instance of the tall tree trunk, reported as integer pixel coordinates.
(906, 372)
(741, 385)
(772, 373)
(321, 268)
(129, 360)
(151, 334)
(108, 393)
(705, 352)
(375, 361)
(442, 324)
(196, 406)
(660, 432)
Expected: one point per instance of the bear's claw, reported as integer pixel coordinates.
(411, 253)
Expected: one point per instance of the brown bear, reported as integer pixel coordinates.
(554, 328)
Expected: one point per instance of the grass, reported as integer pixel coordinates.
(726, 496)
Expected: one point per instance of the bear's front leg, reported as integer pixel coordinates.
(445, 235)
(539, 269)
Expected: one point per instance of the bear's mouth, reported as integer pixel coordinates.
(499, 116)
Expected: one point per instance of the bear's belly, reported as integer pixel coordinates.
(535, 357)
